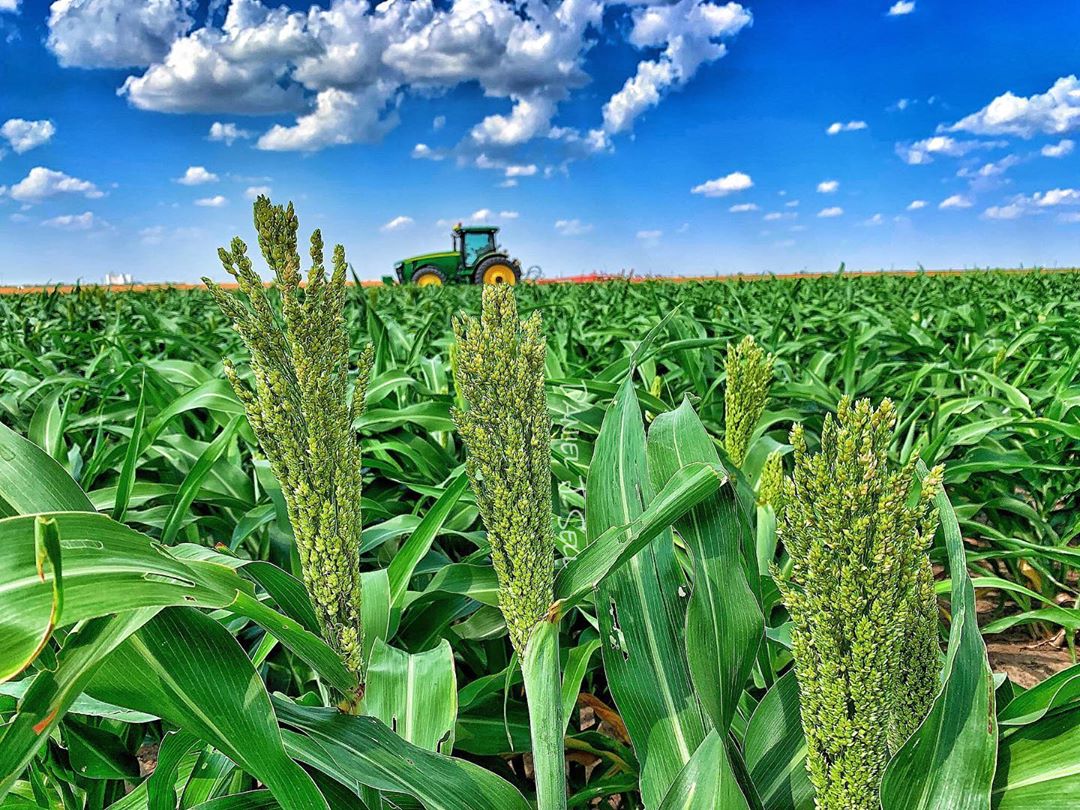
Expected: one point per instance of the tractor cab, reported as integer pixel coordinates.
(475, 258)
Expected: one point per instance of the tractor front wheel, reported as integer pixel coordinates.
(428, 276)
(496, 270)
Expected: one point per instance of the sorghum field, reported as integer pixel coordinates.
(360, 575)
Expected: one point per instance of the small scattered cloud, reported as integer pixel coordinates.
(955, 201)
(1010, 211)
(722, 186)
(438, 122)
(742, 208)
(228, 133)
(922, 152)
(424, 152)
(509, 215)
(508, 183)
(774, 216)
(254, 192)
(41, 183)
(25, 135)
(901, 8)
(833, 211)
(1057, 150)
(1072, 217)
(649, 237)
(851, 126)
(196, 176)
(526, 170)
(1056, 196)
(74, 222)
(828, 186)
(876, 219)
(915, 205)
(397, 223)
(572, 227)
(792, 203)
(217, 201)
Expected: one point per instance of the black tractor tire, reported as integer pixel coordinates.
(428, 270)
(491, 261)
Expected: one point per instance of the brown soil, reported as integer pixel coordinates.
(1025, 659)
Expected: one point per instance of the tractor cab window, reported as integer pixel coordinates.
(476, 245)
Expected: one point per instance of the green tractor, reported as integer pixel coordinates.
(475, 259)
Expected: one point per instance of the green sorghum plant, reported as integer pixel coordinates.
(771, 481)
(749, 374)
(506, 429)
(861, 598)
(298, 405)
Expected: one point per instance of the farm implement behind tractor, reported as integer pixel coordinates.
(475, 258)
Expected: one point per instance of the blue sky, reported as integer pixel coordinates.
(680, 137)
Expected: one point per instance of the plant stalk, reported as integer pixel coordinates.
(543, 692)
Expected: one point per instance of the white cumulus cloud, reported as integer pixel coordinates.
(915, 205)
(217, 201)
(743, 207)
(1060, 149)
(228, 133)
(116, 33)
(1055, 112)
(955, 201)
(254, 192)
(901, 7)
(828, 186)
(25, 135)
(833, 211)
(721, 186)
(41, 183)
(73, 222)
(851, 126)
(196, 176)
(923, 152)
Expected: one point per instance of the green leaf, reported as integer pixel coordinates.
(187, 668)
(640, 609)
(688, 486)
(949, 760)
(724, 625)
(415, 695)
(774, 748)
(1038, 765)
(126, 481)
(95, 753)
(419, 542)
(32, 482)
(707, 782)
(1055, 692)
(193, 481)
(107, 568)
(47, 425)
(577, 665)
(161, 786)
(362, 751)
(51, 693)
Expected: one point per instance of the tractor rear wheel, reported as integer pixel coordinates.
(496, 270)
(428, 276)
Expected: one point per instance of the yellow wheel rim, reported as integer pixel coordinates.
(429, 280)
(499, 274)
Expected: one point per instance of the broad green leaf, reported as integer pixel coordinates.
(775, 749)
(362, 751)
(687, 487)
(949, 760)
(107, 568)
(193, 481)
(185, 667)
(1038, 765)
(640, 608)
(707, 781)
(1056, 692)
(47, 425)
(31, 481)
(95, 753)
(126, 481)
(724, 625)
(415, 695)
(51, 693)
